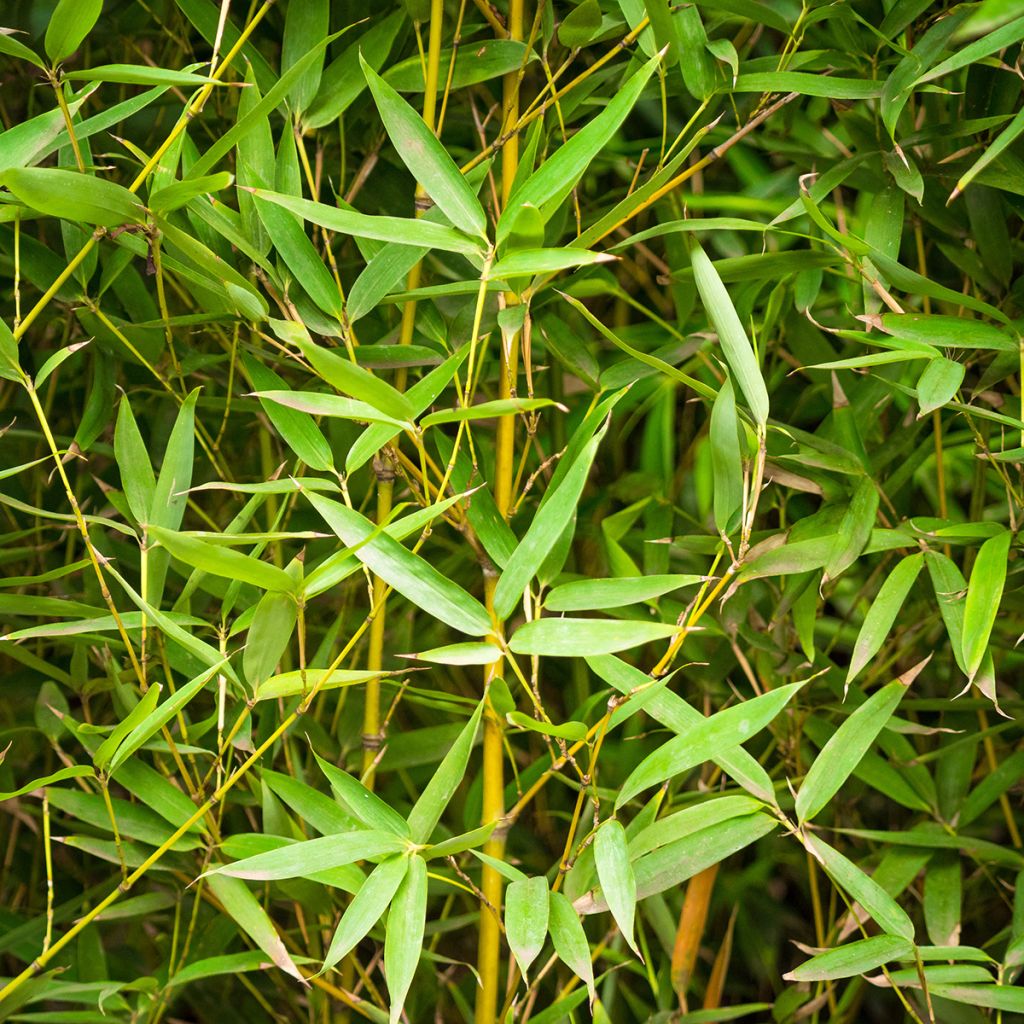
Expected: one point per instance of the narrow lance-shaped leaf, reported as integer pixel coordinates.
(245, 910)
(576, 638)
(615, 873)
(984, 592)
(882, 613)
(366, 908)
(735, 345)
(404, 939)
(549, 185)
(866, 891)
(728, 728)
(343, 374)
(73, 196)
(302, 859)
(385, 229)
(854, 530)
(587, 595)
(70, 22)
(137, 477)
(726, 462)
(159, 716)
(441, 788)
(428, 161)
(544, 531)
(222, 561)
(412, 576)
(570, 941)
(106, 749)
(373, 812)
(526, 919)
(852, 959)
(843, 752)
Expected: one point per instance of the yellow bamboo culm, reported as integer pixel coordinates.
(489, 947)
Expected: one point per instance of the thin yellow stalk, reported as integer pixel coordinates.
(491, 882)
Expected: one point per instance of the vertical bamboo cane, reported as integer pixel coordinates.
(489, 948)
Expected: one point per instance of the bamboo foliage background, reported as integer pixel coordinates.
(510, 511)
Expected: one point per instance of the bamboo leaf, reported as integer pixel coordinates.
(615, 873)
(302, 859)
(404, 938)
(70, 22)
(246, 912)
(883, 612)
(570, 940)
(984, 592)
(526, 919)
(728, 728)
(866, 891)
(366, 908)
(844, 750)
(852, 959)
(733, 338)
(409, 574)
(427, 160)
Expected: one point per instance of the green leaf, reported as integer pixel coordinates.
(269, 636)
(545, 530)
(855, 529)
(866, 891)
(615, 873)
(410, 575)
(984, 592)
(139, 74)
(950, 591)
(298, 429)
(362, 803)
(526, 919)
(460, 654)
(289, 684)
(73, 196)
(70, 22)
(314, 404)
(843, 752)
(574, 638)
(571, 731)
(487, 410)
(222, 561)
(245, 911)
(420, 232)
(882, 613)
(106, 749)
(305, 24)
(75, 771)
(852, 959)
(10, 368)
(439, 791)
(728, 728)
(530, 262)
(735, 345)
(580, 25)
(570, 940)
(137, 477)
(726, 461)
(344, 375)
(15, 48)
(156, 719)
(938, 384)
(311, 856)
(404, 939)
(366, 908)
(428, 161)
(549, 185)
(588, 595)
(491, 59)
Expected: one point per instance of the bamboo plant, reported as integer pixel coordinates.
(510, 511)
